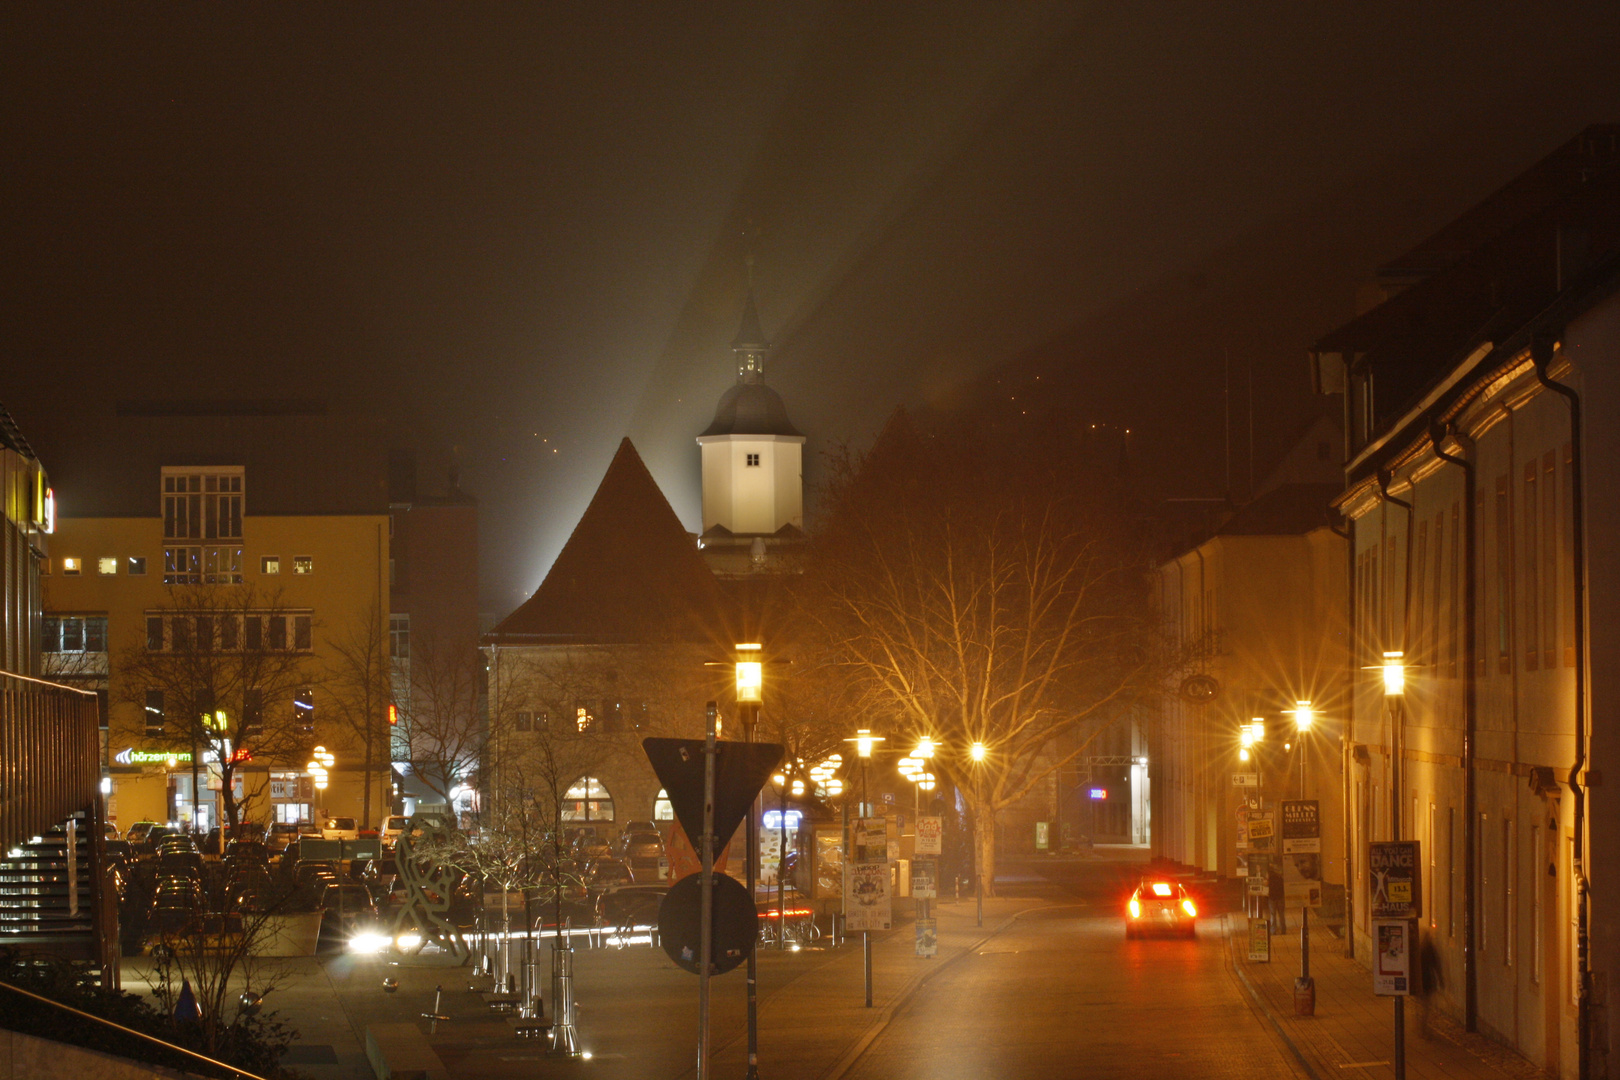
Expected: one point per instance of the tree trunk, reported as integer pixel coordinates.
(984, 863)
(365, 780)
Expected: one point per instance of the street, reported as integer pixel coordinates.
(1062, 989)
(1050, 982)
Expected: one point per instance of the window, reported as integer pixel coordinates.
(107, 565)
(1510, 875)
(74, 634)
(252, 633)
(301, 633)
(303, 564)
(304, 710)
(663, 809)
(276, 638)
(399, 637)
(525, 721)
(1536, 914)
(71, 566)
(205, 633)
(1451, 872)
(1434, 858)
(202, 505)
(1549, 560)
(222, 565)
(154, 633)
(137, 566)
(1483, 855)
(1435, 625)
(1504, 576)
(587, 800)
(154, 712)
(583, 720)
(180, 633)
(182, 566)
(753, 461)
(270, 564)
(228, 634)
(252, 708)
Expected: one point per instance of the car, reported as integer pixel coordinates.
(138, 831)
(1162, 906)
(393, 827)
(280, 835)
(341, 828)
(247, 850)
(349, 910)
(603, 875)
(641, 825)
(645, 855)
(175, 902)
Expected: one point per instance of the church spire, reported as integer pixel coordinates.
(750, 344)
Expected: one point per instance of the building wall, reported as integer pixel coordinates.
(346, 590)
(757, 499)
(1264, 615)
(1410, 594)
(23, 543)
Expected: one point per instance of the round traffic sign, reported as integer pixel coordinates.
(736, 923)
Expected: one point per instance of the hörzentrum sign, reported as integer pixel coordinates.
(131, 756)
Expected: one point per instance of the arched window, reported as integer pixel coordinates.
(663, 809)
(587, 800)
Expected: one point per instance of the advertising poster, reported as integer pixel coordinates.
(930, 835)
(1392, 962)
(770, 856)
(1301, 827)
(1262, 831)
(927, 937)
(872, 840)
(829, 863)
(925, 879)
(1396, 885)
(1302, 880)
(1260, 940)
(867, 905)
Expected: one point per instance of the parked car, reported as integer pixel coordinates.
(645, 856)
(137, 832)
(341, 828)
(279, 836)
(641, 825)
(247, 850)
(589, 848)
(393, 827)
(175, 902)
(605, 874)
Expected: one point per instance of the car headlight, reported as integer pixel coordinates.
(369, 942)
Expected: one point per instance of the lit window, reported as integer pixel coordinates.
(304, 710)
(303, 564)
(753, 461)
(137, 566)
(270, 564)
(70, 565)
(107, 564)
(182, 566)
(222, 566)
(74, 634)
(663, 809)
(587, 800)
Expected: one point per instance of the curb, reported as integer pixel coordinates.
(1259, 1000)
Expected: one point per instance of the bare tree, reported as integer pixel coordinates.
(228, 662)
(441, 730)
(980, 591)
(360, 676)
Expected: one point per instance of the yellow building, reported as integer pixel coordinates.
(283, 618)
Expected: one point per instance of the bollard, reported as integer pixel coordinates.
(435, 1016)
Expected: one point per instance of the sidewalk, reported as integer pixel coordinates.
(1353, 1031)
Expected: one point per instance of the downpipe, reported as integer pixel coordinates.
(1438, 434)
(1542, 349)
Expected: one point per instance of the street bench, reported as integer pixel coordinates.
(401, 1052)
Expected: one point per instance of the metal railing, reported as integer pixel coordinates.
(229, 1070)
(50, 767)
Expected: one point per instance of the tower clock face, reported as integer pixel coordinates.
(1200, 689)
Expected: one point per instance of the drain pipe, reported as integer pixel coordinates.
(1438, 433)
(1397, 728)
(1542, 347)
(1346, 810)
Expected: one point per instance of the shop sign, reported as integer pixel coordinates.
(131, 756)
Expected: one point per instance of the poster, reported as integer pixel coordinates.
(1262, 831)
(1392, 960)
(770, 856)
(1260, 940)
(829, 881)
(930, 836)
(927, 937)
(872, 840)
(1301, 827)
(1396, 885)
(867, 905)
(925, 879)
(1302, 880)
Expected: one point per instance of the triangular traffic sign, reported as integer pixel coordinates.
(740, 770)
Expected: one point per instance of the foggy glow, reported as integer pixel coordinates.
(1394, 673)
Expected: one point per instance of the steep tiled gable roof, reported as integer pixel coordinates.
(630, 573)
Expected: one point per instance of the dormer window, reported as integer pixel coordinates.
(753, 461)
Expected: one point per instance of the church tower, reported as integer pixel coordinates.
(753, 459)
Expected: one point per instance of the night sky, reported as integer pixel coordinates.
(519, 230)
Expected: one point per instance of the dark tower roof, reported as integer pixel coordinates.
(750, 407)
(628, 574)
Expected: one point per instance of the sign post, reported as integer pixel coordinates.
(925, 881)
(1302, 880)
(1396, 905)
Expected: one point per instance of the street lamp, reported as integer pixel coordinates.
(750, 685)
(1394, 668)
(1304, 986)
(865, 742)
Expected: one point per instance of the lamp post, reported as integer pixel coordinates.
(865, 743)
(915, 769)
(1304, 986)
(978, 752)
(750, 680)
(1394, 668)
